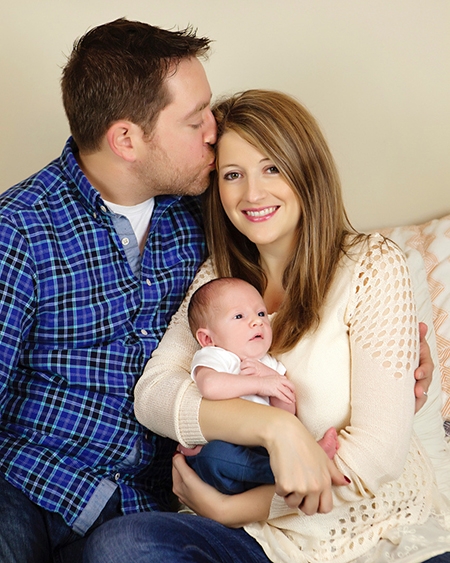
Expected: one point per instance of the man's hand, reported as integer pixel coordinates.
(424, 373)
(230, 510)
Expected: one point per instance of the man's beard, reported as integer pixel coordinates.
(160, 177)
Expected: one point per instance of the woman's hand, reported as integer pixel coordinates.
(424, 373)
(304, 476)
(231, 510)
(303, 473)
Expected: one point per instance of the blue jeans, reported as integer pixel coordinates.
(31, 534)
(168, 537)
(232, 469)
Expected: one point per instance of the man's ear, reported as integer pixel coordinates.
(123, 138)
(204, 338)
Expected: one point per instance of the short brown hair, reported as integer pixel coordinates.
(200, 302)
(117, 71)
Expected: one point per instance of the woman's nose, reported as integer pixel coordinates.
(255, 192)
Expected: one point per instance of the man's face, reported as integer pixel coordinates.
(180, 158)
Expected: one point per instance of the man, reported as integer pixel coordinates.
(97, 251)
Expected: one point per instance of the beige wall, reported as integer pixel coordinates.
(376, 74)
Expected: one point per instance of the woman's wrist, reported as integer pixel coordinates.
(278, 425)
(242, 422)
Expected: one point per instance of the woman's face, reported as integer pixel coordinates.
(257, 199)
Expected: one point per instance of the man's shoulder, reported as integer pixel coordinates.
(28, 192)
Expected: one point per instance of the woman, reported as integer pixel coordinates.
(345, 328)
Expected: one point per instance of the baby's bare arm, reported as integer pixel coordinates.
(215, 385)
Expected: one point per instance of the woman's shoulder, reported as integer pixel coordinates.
(205, 273)
(371, 249)
(372, 263)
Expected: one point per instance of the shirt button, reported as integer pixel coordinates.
(116, 476)
(148, 282)
(144, 332)
(103, 208)
(125, 241)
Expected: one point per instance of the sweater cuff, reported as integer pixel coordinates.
(280, 508)
(188, 413)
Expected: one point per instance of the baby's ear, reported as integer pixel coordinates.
(204, 338)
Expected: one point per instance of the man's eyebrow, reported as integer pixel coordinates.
(197, 109)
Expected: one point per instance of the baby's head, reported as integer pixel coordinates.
(230, 313)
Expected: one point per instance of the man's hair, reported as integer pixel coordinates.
(199, 308)
(117, 71)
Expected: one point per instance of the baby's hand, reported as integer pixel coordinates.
(255, 367)
(270, 383)
(276, 386)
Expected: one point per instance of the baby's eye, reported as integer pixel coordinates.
(231, 176)
(261, 314)
(238, 316)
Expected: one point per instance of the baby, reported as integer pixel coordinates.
(228, 318)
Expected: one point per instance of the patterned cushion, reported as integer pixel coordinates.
(427, 248)
(432, 241)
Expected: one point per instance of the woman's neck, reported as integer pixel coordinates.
(274, 293)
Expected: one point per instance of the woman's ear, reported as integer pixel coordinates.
(204, 338)
(123, 138)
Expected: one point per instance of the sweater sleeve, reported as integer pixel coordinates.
(384, 348)
(166, 400)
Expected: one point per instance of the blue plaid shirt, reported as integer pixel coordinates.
(77, 326)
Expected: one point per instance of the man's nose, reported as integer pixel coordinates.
(210, 129)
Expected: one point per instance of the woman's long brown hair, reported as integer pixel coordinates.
(284, 131)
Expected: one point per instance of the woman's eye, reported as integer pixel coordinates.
(231, 176)
(273, 170)
(197, 125)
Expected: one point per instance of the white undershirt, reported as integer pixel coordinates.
(138, 215)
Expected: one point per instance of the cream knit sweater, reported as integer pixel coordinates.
(355, 372)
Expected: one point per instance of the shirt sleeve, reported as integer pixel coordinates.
(17, 300)
(217, 359)
(167, 401)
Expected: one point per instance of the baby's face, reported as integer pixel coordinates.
(239, 322)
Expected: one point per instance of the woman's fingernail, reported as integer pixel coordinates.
(347, 479)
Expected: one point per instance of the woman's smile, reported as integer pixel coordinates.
(260, 214)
